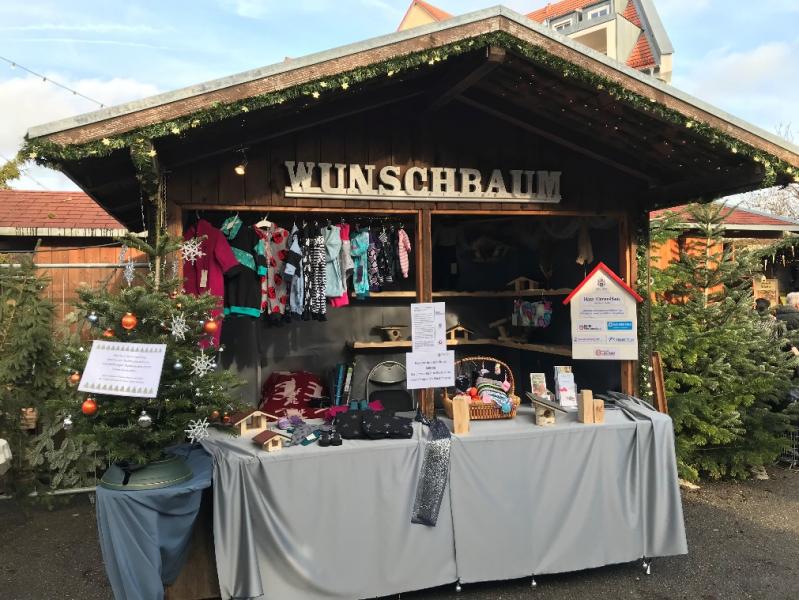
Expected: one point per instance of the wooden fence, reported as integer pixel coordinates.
(71, 268)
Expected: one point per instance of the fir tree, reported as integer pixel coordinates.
(726, 371)
(137, 430)
(30, 374)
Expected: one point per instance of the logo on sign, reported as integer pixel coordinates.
(621, 339)
(602, 353)
(601, 283)
(589, 327)
(620, 325)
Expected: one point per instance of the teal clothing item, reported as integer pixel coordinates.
(243, 292)
(360, 274)
(334, 282)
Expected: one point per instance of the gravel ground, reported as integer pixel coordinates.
(743, 540)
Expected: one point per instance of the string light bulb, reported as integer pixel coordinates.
(241, 166)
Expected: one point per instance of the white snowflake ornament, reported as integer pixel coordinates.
(197, 430)
(202, 365)
(192, 250)
(130, 272)
(179, 327)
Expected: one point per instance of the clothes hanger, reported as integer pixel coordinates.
(265, 223)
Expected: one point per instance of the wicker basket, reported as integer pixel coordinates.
(478, 411)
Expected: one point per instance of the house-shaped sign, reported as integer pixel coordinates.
(604, 317)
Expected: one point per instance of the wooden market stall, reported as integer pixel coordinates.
(504, 149)
(481, 124)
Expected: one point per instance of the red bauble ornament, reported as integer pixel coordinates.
(108, 333)
(226, 418)
(211, 327)
(74, 379)
(89, 407)
(173, 294)
(129, 321)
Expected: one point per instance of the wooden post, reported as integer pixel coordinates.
(659, 385)
(599, 411)
(460, 413)
(424, 250)
(585, 406)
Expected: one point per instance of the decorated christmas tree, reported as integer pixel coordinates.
(727, 371)
(150, 309)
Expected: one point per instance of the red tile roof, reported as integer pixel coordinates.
(435, 12)
(53, 210)
(737, 216)
(564, 7)
(641, 56)
(631, 14)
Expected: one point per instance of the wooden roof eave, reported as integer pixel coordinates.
(115, 120)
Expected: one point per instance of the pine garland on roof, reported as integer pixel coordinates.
(49, 153)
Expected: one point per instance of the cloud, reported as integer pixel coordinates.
(260, 9)
(29, 101)
(63, 40)
(88, 28)
(752, 84)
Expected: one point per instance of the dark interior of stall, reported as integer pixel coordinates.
(475, 262)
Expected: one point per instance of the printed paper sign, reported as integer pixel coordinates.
(604, 318)
(430, 369)
(123, 369)
(428, 327)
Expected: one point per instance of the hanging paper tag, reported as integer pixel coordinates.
(204, 278)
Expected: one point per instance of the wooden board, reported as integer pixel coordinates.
(659, 385)
(543, 348)
(503, 294)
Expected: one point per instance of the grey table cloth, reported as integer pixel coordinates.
(537, 500)
(311, 522)
(144, 534)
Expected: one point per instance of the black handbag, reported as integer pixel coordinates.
(381, 425)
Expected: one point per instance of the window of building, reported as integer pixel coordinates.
(599, 11)
(563, 25)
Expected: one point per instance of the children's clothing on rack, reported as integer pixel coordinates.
(314, 259)
(345, 264)
(207, 273)
(334, 286)
(403, 250)
(274, 291)
(243, 292)
(360, 274)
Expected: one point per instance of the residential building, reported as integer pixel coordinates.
(629, 31)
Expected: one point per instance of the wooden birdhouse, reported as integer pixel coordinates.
(395, 333)
(249, 421)
(459, 332)
(271, 441)
(523, 284)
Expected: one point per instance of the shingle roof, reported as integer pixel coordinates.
(433, 11)
(564, 7)
(737, 216)
(53, 210)
(641, 56)
(631, 14)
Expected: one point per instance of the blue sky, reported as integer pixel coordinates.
(736, 54)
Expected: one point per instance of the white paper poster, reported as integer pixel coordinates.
(123, 369)
(604, 318)
(428, 327)
(430, 369)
